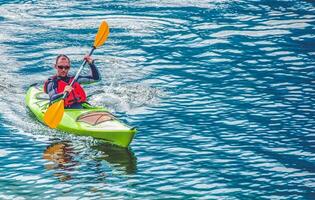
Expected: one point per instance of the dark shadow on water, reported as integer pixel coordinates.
(121, 159)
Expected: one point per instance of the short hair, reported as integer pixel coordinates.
(62, 56)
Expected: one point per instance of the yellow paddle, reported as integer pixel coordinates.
(54, 113)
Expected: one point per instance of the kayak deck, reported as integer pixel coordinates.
(96, 122)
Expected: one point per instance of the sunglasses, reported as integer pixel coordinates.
(63, 67)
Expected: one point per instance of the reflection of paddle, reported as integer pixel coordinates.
(55, 112)
(61, 156)
(57, 154)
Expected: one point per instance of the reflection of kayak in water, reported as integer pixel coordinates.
(91, 121)
(61, 156)
(120, 158)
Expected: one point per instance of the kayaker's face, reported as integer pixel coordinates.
(62, 66)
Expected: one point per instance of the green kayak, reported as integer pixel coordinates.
(96, 122)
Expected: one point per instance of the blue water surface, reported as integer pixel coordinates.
(222, 93)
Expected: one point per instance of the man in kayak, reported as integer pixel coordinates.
(59, 84)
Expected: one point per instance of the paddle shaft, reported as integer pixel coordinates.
(79, 71)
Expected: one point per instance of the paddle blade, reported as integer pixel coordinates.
(102, 34)
(54, 114)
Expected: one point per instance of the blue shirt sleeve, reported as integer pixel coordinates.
(93, 77)
(52, 91)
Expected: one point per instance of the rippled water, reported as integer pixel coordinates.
(222, 93)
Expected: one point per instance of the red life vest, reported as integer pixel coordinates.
(77, 95)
